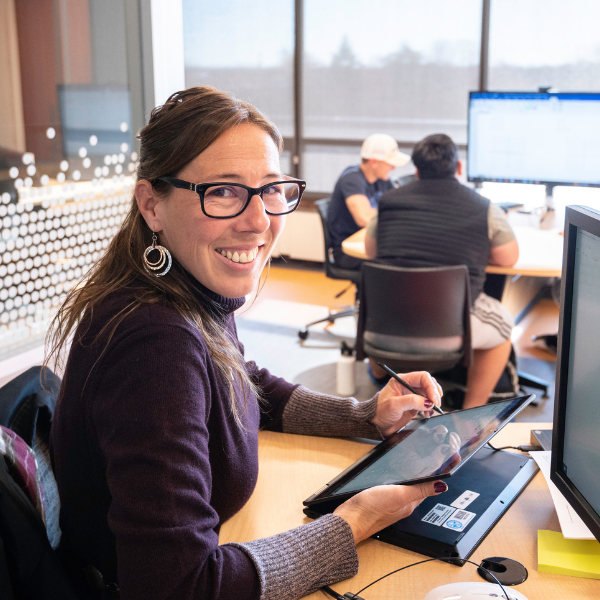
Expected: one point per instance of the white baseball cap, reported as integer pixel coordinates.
(381, 146)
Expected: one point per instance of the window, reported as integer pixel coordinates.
(393, 66)
(66, 152)
(542, 43)
(244, 49)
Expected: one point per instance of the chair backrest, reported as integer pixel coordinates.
(414, 304)
(29, 567)
(323, 210)
(331, 270)
(28, 401)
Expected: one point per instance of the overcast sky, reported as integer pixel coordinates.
(222, 33)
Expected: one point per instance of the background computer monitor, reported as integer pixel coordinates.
(90, 110)
(522, 137)
(575, 467)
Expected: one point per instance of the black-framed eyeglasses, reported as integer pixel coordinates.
(223, 200)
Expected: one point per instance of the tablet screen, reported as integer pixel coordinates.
(429, 447)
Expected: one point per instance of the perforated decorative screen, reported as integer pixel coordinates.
(49, 240)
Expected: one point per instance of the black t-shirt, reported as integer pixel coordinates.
(351, 182)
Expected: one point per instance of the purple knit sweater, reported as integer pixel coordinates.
(150, 462)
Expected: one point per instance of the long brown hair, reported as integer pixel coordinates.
(188, 123)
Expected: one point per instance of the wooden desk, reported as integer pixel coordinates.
(292, 467)
(540, 252)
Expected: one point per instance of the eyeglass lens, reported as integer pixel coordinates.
(230, 199)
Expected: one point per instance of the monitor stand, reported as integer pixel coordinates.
(436, 528)
(549, 200)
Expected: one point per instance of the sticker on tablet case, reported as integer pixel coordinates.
(465, 499)
(438, 514)
(459, 520)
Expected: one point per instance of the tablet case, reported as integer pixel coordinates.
(436, 528)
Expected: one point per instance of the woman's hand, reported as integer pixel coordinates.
(396, 405)
(374, 509)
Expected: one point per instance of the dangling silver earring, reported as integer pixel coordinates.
(165, 257)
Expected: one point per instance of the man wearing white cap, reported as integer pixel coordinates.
(357, 191)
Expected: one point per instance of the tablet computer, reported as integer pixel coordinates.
(424, 450)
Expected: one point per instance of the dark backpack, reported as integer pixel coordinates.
(29, 567)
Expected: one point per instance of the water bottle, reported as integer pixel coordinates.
(346, 376)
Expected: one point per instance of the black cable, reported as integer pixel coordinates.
(501, 447)
(333, 593)
(521, 448)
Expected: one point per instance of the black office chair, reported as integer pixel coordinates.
(414, 319)
(331, 270)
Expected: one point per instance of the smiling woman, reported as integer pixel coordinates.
(155, 435)
(246, 154)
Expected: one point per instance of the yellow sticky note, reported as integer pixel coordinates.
(579, 558)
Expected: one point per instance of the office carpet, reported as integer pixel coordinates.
(269, 331)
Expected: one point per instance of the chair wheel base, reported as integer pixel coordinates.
(303, 334)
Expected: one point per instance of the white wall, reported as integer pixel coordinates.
(302, 237)
(15, 365)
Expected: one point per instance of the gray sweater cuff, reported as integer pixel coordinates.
(312, 413)
(298, 562)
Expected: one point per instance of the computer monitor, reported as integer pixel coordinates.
(91, 110)
(575, 467)
(547, 138)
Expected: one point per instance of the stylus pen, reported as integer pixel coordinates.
(409, 387)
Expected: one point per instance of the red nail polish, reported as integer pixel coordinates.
(439, 487)
(428, 404)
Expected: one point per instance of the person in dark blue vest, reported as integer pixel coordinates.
(357, 192)
(437, 221)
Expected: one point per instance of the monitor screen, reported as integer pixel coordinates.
(576, 434)
(88, 110)
(534, 138)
